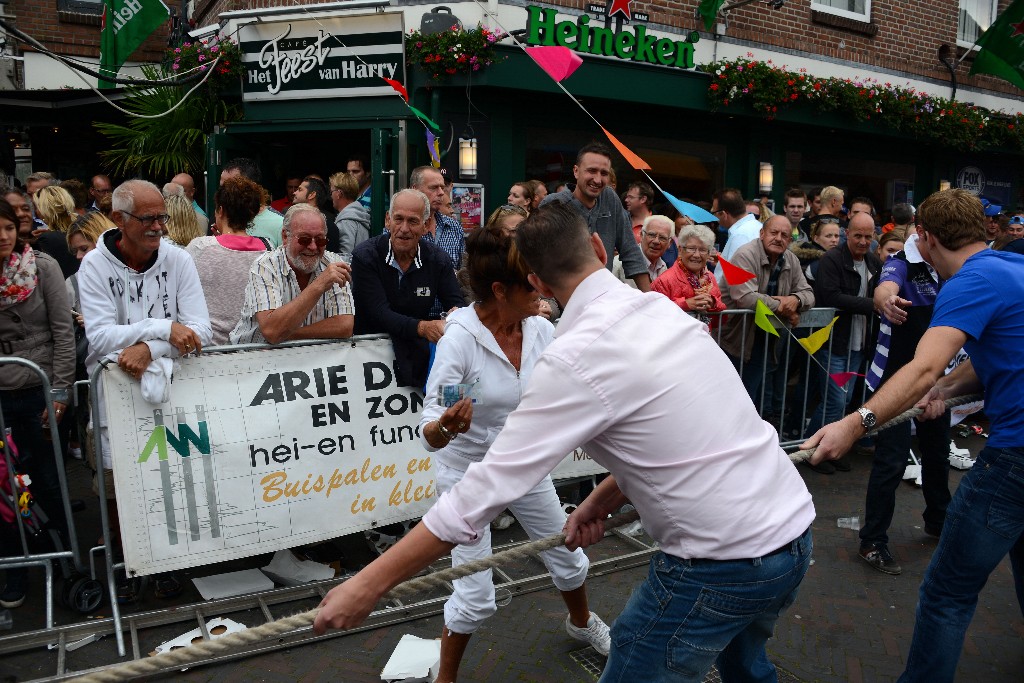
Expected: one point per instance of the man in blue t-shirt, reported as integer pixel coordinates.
(980, 308)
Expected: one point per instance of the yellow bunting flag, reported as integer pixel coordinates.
(815, 341)
(761, 314)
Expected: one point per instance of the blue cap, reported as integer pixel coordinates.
(993, 210)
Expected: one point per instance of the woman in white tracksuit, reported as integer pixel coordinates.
(493, 346)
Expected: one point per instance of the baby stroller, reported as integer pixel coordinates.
(19, 514)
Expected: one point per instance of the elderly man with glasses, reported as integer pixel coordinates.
(143, 304)
(299, 290)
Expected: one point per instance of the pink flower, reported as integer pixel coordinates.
(215, 48)
(202, 58)
(177, 50)
(175, 66)
(202, 68)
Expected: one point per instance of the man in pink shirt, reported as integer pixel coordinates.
(729, 511)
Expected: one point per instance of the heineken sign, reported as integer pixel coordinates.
(347, 56)
(633, 44)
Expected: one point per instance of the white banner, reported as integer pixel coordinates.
(262, 450)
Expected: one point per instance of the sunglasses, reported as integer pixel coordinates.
(304, 240)
(827, 219)
(512, 208)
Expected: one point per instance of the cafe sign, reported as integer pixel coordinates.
(339, 56)
(633, 44)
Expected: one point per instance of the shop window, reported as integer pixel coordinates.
(975, 18)
(859, 10)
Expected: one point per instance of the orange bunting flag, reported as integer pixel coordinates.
(734, 275)
(816, 340)
(842, 378)
(634, 161)
(557, 61)
(399, 88)
(761, 315)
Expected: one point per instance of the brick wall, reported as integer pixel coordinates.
(72, 33)
(902, 35)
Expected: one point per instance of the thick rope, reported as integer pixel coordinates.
(800, 456)
(187, 656)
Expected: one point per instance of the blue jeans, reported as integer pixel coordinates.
(834, 398)
(984, 522)
(691, 614)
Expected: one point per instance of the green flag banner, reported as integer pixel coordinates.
(1002, 46)
(709, 10)
(761, 315)
(126, 25)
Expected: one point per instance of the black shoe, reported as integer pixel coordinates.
(879, 557)
(841, 465)
(934, 530)
(823, 467)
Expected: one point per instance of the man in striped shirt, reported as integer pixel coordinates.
(299, 290)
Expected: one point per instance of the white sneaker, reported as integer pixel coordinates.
(954, 450)
(961, 462)
(596, 634)
(503, 521)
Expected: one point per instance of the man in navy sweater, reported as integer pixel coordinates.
(395, 278)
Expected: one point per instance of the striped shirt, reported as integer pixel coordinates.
(272, 284)
(449, 236)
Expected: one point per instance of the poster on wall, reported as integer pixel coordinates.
(468, 203)
(989, 180)
(263, 450)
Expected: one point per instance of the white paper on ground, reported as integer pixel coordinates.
(286, 569)
(218, 626)
(232, 583)
(415, 660)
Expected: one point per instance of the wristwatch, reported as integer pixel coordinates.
(868, 419)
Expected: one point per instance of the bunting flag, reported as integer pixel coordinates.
(126, 25)
(557, 61)
(734, 275)
(634, 161)
(399, 88)
(816, 340)
(424, 118)
(842, 378)
(1002, 46)
(761, 315)
(691, 211)
(435, 150)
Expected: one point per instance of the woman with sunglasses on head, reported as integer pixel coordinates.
(224, 261)
(492, 346)
(824, 236)
(508, 217)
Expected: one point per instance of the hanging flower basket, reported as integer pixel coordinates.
(451, 52)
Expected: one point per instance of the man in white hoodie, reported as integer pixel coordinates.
(140, 300)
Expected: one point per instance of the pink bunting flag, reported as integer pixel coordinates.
(842, 378)
(634, 161)
(734, 275)
(557, 61)
(399, 88)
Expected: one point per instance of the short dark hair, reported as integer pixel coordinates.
(323, 196)
(76, 188)
(644, 190)
(363, 160)
(555, 241)
(593, 148)
(492, 257)
(862, 200)
(902, 214)
(815, 192)
(794, 193)
(240, 198)
(246, 166)
(731, 201)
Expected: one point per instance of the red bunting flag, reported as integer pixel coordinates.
(634, 161)
(399, 88)
(734, 275)
(842, 378)
(557, 61)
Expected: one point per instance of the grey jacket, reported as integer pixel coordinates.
(354, 225)
(611, 223)
(40, 329)
(752, 258)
